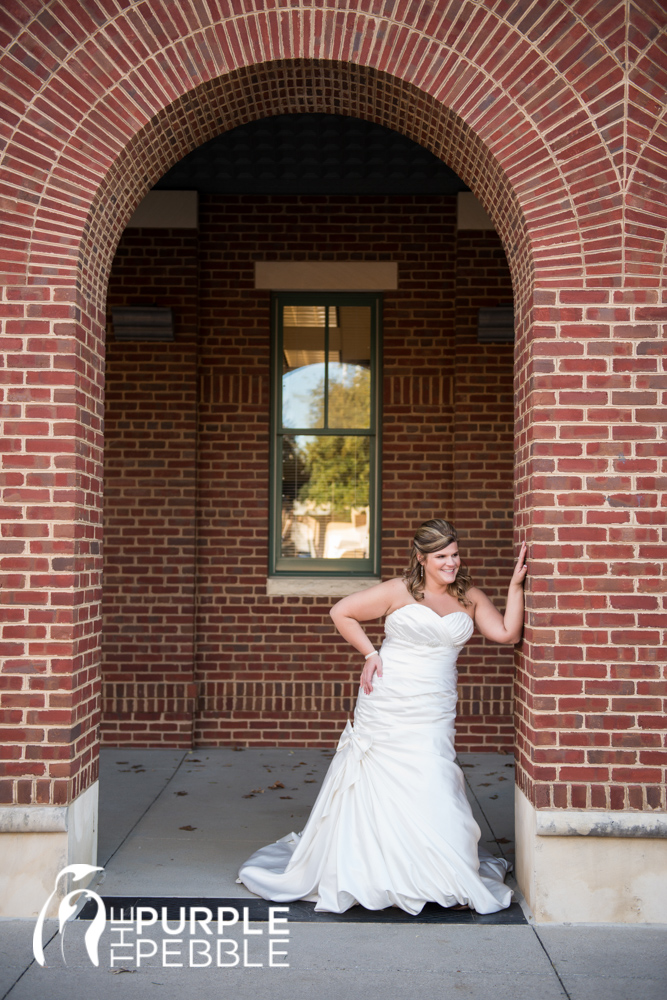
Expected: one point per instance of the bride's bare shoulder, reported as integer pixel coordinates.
(388, 587)
(374, 602)
(393, 591)
(398, 593)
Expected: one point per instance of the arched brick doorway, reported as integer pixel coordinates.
(266, 668)
(237, 709)
(288, 87)
(84, 149)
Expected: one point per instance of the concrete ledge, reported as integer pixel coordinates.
(326, 276)
(33, 819)
(318, 586)
(594, 823)
(166, 210)
(570, 872)
(471, 214)
(36, 843)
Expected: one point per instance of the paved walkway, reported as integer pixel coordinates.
(179, 824)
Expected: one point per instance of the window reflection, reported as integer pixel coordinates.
(349, 387)
(325, 497)
(326, 350)
(303, 376)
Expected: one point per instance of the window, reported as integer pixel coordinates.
(325, 420)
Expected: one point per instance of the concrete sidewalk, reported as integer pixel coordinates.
(179, 824)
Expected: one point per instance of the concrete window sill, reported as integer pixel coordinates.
(317, 586)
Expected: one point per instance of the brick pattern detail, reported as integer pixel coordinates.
(554, 114)
(418, 390)
(283, 701)
(144, 701)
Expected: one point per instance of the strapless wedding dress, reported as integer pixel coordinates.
(392, 824)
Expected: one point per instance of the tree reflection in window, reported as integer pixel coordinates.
(327, 474)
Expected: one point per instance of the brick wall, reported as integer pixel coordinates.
(272, 669)
(590, 693)
(484, 482)
(149, 499)
(553, 114)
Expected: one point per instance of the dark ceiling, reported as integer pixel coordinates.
(311, 154)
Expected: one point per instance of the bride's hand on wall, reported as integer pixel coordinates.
(521, 568)
(373, 664)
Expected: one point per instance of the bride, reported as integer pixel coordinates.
(391, 825)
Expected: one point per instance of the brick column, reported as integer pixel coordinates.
(51, 550)
(591, 686)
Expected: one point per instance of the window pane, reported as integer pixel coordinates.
(325, 497)
(349, 369)
(303, 366)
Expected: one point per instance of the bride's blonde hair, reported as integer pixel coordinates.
(432, 536)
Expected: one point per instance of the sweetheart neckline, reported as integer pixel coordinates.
(416, 604)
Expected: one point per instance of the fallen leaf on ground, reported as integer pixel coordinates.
(249, 796)
(180, 793)
(309, 781)
(258, 791)
(285, 796)
(278, 784)
(117, 972)
(484, 784)
(493, 796)
(502, 751)
(188, 827)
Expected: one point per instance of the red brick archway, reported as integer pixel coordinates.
(531, 111)
(235, 703)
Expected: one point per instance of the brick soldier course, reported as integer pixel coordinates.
(554, 115)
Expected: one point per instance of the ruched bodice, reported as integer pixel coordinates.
(418, 688)
(392, 824)
(419, 625)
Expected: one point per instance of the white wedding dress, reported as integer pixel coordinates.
(392, 824)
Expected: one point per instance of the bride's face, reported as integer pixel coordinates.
(442, 566)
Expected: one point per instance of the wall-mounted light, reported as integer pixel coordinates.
(142, 323)
(495, 325)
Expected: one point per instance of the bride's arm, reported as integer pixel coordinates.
(364, 606)
(505, 628)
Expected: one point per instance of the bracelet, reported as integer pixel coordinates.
(372, 653)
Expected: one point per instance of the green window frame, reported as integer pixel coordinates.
(288, 440)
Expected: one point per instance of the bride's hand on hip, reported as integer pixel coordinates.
(373, 664)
